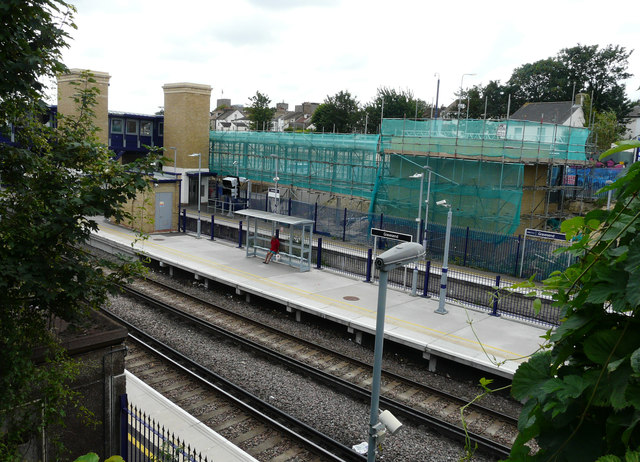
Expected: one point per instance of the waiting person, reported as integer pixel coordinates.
(273, 250)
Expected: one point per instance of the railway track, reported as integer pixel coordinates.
(492, 431)
(248, 422)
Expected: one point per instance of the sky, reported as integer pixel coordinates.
(297, 51)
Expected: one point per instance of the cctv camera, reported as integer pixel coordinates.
(390, 422)
(442, 202)
(399, 255)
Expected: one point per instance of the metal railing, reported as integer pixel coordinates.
(145, 439)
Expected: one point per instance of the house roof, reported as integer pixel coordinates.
(556, 112)
(635, 111)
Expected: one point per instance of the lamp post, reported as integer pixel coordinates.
(199, 155)
(437, 93)
(175, 158)
(399, 255)
(276, 201)
(414, 282)
(445, 260)
(460, 98)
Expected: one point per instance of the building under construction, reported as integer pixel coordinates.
(499, 176)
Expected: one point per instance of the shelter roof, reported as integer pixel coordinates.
(274, 217)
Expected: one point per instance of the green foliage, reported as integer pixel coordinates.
(31, 38)
(55, 181)
(260, 114)
(339, 113)
(582, 396)
(93, 457)
(397, 105)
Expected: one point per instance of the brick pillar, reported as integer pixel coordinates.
(68, 107)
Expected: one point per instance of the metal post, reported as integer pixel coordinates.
(240, 234)
(344, 226)
(199, 187)
(175, 158)
(184, 220)
(369, 264)
(437, 93)
(443, 280)
(495, 297)
(426, 213)
(212, 226)
(319, 254)
(427, 273)
(377, 365)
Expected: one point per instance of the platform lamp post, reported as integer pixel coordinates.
(400, 255)
(445, 261)
(414, 283)
(460, 98)
(199, 155)
(175, 158)
(437, 93)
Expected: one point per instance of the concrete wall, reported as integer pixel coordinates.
(68, 107)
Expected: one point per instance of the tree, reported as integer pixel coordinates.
(31, 38)
(494, 95)
(582, 395)
(594, 71)
(339, 113)
(54, 180)
(598, 72)
(397, 105)
(260, 114)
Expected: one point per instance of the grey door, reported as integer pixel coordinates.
(164, 202)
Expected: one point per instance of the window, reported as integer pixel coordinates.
(160, 128)
(132, 127)
(116, 125)
(145, 128)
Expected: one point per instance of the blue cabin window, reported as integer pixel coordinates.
(160, 128)
(132, 127)
(145, 128)
(116, 125)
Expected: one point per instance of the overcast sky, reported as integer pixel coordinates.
(295, 50)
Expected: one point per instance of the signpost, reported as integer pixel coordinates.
(539, 234)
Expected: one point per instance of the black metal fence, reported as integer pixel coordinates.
(145, 440)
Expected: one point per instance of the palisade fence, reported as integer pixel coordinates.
(144, 439)
(472, 248)
(351, 258)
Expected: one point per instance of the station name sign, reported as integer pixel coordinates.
(391, 235)
(545, 234)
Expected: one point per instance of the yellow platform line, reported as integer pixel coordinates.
(471, 343)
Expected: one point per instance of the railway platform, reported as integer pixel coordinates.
(497, 345)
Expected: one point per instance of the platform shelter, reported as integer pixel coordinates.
(295, 234)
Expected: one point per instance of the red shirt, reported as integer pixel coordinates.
(275, 244)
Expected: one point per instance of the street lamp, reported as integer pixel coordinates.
(443, 279)
(199, 155)
(276, 202)
(414, 283)
(460, 98)
(437, 93)
(175, 158)
(400, 255)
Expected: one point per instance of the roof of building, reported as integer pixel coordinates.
(552, 112)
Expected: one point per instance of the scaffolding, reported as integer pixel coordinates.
(492, 172)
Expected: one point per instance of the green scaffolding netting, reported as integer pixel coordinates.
(338, 164)
(483, 181)
(509, 140)
(482, 195)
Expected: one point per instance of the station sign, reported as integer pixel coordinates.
(541, 234)
(391, 235)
